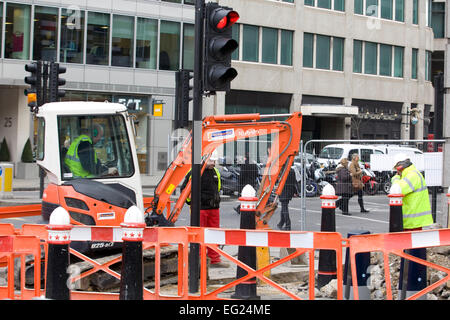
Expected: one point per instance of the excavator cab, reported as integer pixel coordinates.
(88, 153)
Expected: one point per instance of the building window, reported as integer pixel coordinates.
(269, 45)
(146, 43)
(188, 46)
(98, 26)
(387, 8)
(326, 4)
(286, 47)
(357, 56)
(169, 43)
(428, 65)
(250, 39)
(235, 32)
(309, 2)
(338, 5)
(308, 50)
(323, 52)
(1, 24)
(438, 19)
(414, 63)
(371, 8)
(370, 58)
(45, 33)
(385, 60)
(122, 41)
(17, 31)
(415, 19)
(338, 54)
(428, 12)
(399, 10)
(398, 61)
(72, 36)
(359, 6)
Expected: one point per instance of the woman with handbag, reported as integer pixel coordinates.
(356, 173)
(343, 186)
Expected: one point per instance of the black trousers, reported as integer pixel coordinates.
(360, 199)
(284, 216)
(342, 203)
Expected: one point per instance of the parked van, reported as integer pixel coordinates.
(395, 148)
(336, 152)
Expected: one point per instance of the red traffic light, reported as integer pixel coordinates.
(223, 18)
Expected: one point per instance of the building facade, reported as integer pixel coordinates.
(354, 68)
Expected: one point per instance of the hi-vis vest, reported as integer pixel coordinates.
(219, 185)
(73, 161)
(416, 202)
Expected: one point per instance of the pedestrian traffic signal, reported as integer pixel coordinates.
(56, 82)
(33, 93)
(184, 95)
(218, 47)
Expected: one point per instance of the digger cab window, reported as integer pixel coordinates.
(94, 147)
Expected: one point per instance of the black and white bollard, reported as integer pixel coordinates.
(246, 290)
(395, 209)
(132, 277)
(362, 271)
(57, 286)
(327, 258)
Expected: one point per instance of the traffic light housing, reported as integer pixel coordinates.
(56, 82)
(218, 47)
(34, 92)
(184, 94)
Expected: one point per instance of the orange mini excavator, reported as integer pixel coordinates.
(101, 194)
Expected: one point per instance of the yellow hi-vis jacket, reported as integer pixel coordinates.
(219, 183)
(416, 202)
(72, 160)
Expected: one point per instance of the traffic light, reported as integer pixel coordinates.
(184, 94)
(56, 82)
(218, 47)
(34, 93)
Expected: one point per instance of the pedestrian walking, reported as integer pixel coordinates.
(290, 188)
(344, 186)
(356, 173)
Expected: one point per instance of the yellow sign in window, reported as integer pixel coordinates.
(158, 109)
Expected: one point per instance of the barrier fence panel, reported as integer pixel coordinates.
(396, 244)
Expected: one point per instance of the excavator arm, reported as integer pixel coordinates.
(217, 130)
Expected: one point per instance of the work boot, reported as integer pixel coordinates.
(219, 265)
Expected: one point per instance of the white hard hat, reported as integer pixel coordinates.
(400, 157)
(214, 156)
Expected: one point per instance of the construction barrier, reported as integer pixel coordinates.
(6, 178)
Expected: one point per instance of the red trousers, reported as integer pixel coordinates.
(211, 218)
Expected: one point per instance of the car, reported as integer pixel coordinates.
(334, 153)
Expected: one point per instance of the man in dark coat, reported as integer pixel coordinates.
(290, 188)
(344, 186)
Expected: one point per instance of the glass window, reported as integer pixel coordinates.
(290, 1)
(188, 46)
(169, 51)
(250, 45)
(385, 60)
(45, 33)
(331, 153)
(357, 56)
(122, 41)
(269, 45)
(324, 4)
(339, 5)
(286, 47)
(308, 50)
(338, 54)
(370, 58)
(189, 2)
(309, 2)
(415, 11)
(438, 19)
(428, 65)
(399, 10)
(386, 9)
(414, 63)
(323, 52)
(173, 1)
(1, 24)
(146, 43)
(40, 138)
(372, 8)
(359, 6)
(72, 36)
(235, 31)
(17, 31)
(428, 12)
(98, 26)
(398, 62)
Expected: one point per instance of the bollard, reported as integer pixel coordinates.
(362, 271)
(395, 209)
(247, 289)
(57, 286)
(327, 258)
(132, 277)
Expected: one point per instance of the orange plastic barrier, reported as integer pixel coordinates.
(396, 243)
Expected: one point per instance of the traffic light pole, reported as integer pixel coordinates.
(194, 266)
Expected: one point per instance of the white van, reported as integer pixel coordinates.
(395, 148)
(334, 153)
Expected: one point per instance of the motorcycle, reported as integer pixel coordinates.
(369, 180)
(229, 176)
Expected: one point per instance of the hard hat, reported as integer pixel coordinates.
(214, 156)
(399, 157)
